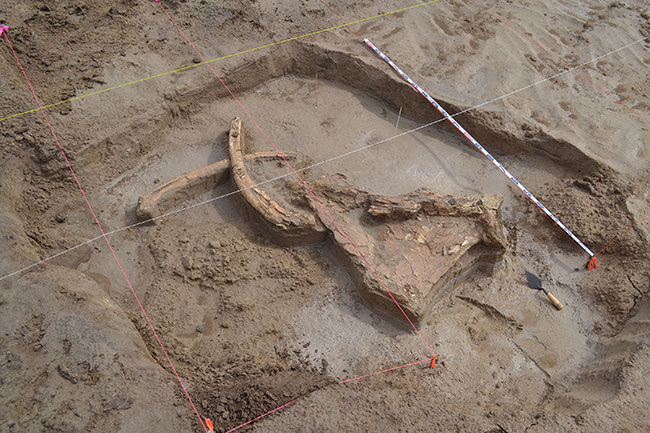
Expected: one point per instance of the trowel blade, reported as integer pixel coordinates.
(533, 281)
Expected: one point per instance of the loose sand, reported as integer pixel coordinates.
(250, 325)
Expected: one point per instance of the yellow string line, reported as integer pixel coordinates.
(76, 98)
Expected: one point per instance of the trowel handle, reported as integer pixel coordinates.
(555, 301)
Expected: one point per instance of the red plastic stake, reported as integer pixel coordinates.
(593, 263)
(3, 29)
(433, 362)
(208, 423)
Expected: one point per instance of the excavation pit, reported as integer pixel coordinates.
(252, 323)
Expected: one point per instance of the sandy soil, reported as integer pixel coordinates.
(250, 325)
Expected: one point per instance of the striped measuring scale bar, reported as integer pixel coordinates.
(592, 262)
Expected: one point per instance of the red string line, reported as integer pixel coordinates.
(103, 233)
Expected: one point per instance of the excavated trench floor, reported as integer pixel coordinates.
(252, 325)
(257, 325)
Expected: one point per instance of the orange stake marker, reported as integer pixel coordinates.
(433, 362)
(209, 425)
(592, 264)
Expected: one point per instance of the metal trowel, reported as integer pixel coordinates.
(535, 283)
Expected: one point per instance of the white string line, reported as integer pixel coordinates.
(342, 155)
(641, 3)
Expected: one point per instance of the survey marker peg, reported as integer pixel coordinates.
(3, 28)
